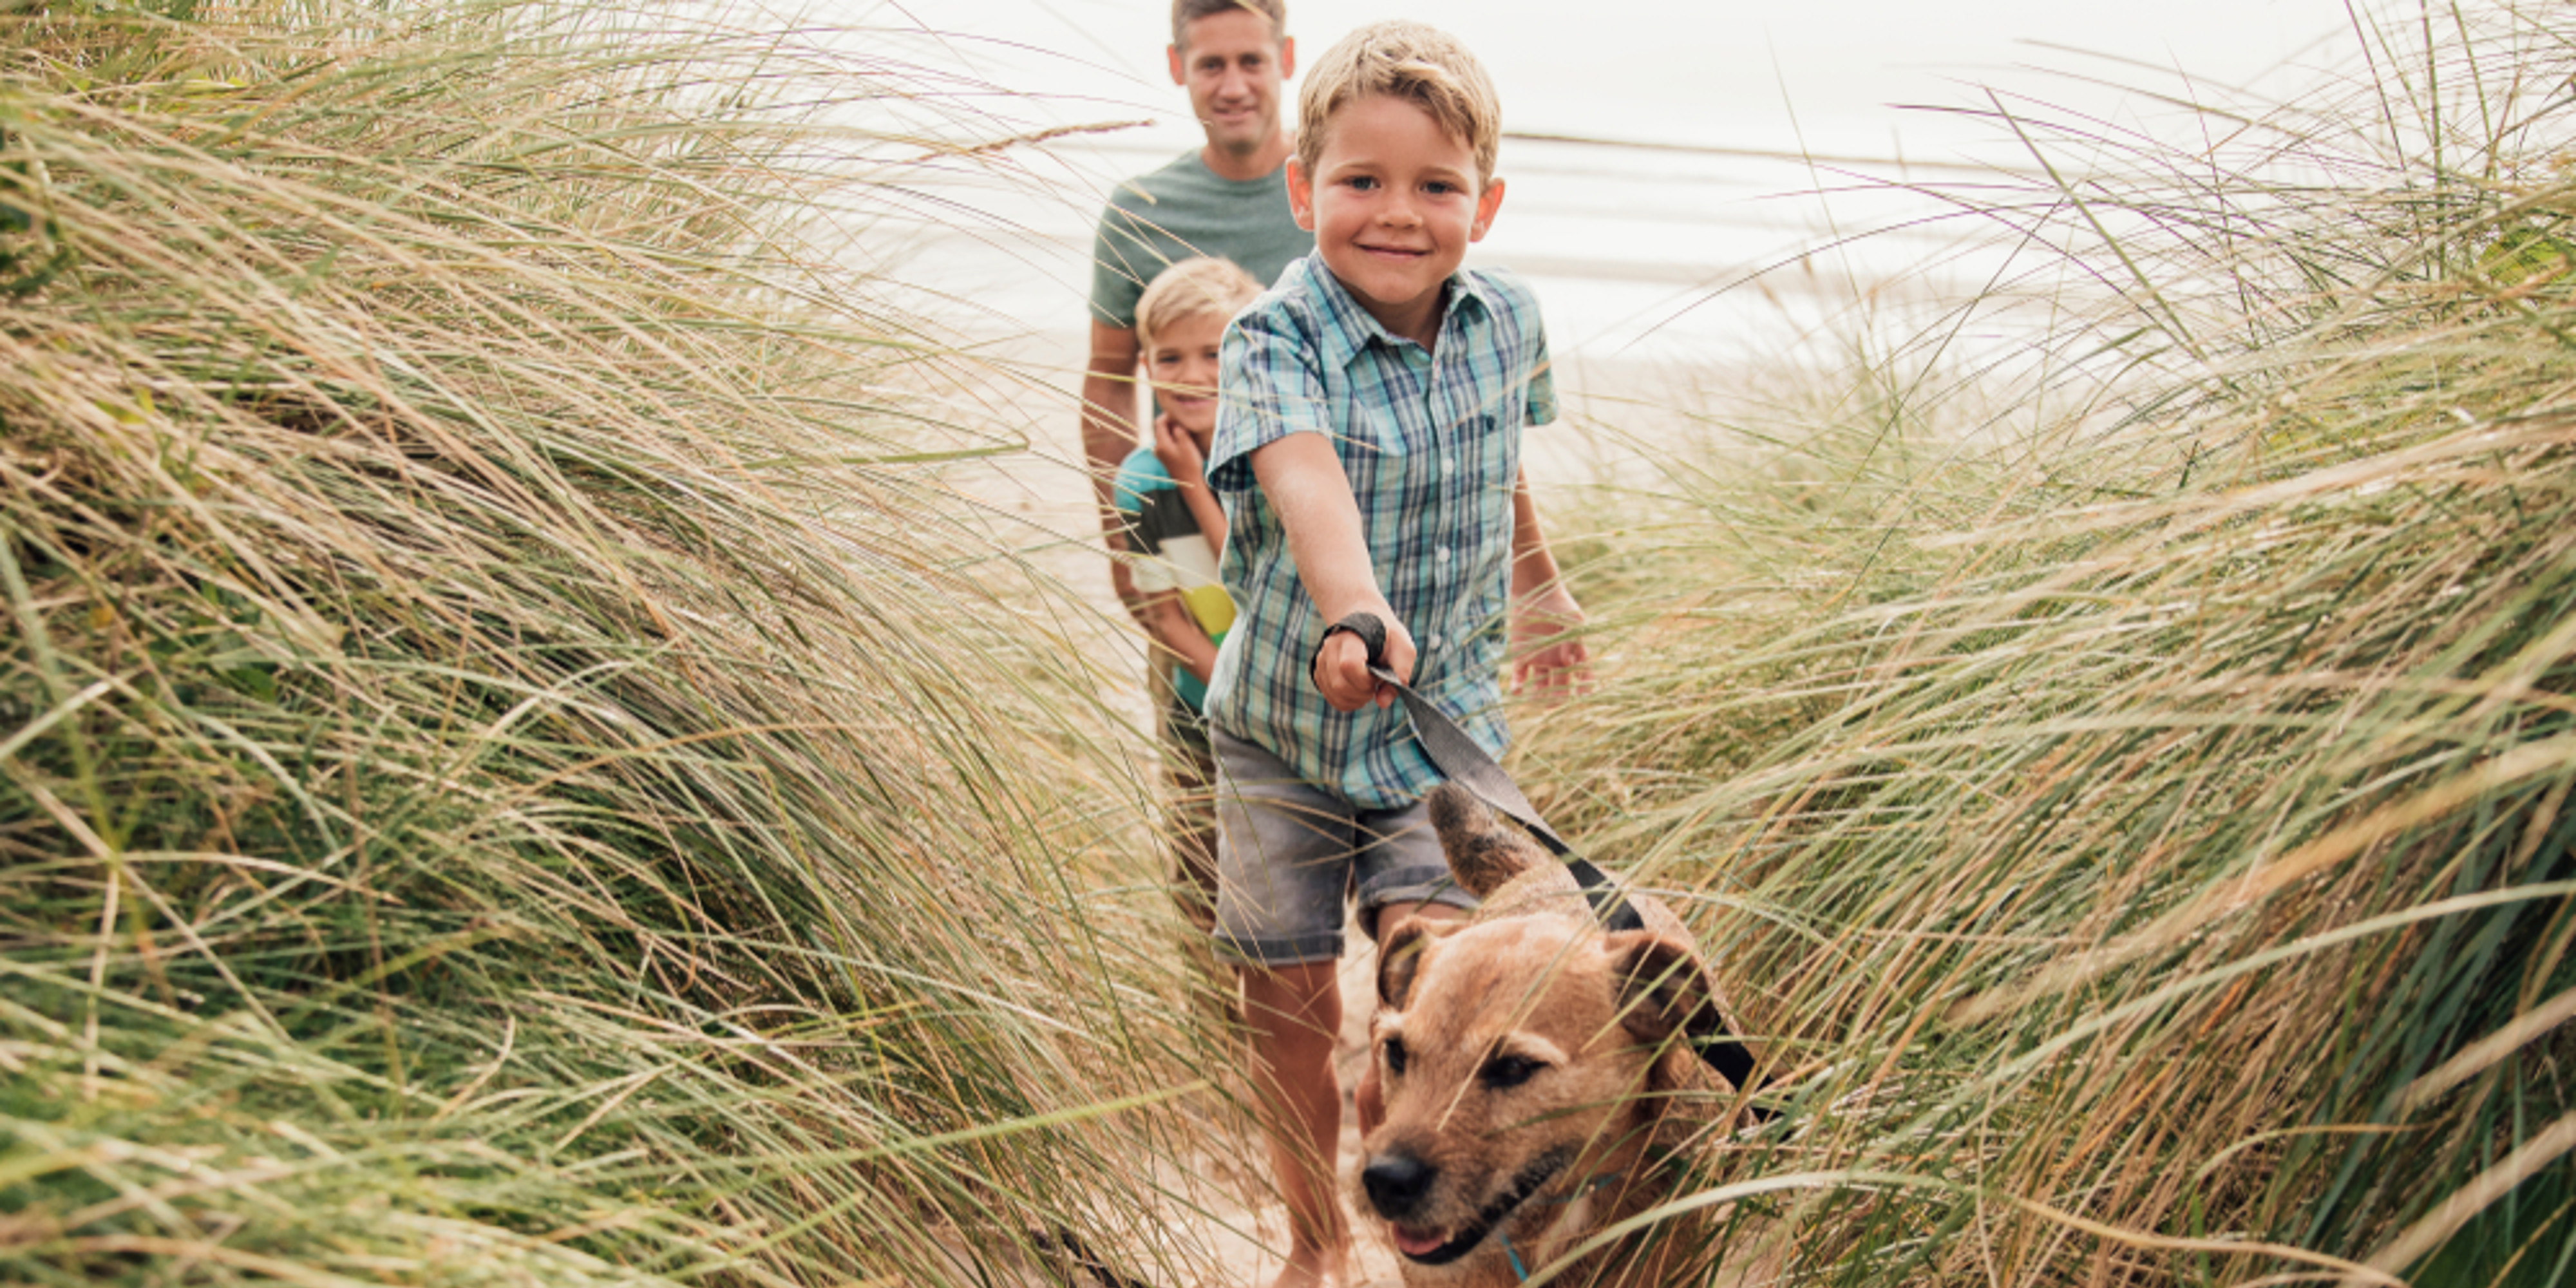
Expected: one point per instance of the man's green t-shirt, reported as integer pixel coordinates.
(1158, 219)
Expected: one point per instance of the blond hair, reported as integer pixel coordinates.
(1420, 64)
(1202, 287)
(1185, 12)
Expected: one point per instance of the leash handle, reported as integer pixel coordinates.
(1466, 764)
(1457, 756)
(1372, 633)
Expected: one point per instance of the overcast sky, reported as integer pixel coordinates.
(1626, 240)
(1717, 72)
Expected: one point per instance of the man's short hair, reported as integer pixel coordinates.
(1185, 12)
(1204, 286)
(1420, 64)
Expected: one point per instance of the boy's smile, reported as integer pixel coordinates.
(1393, 204)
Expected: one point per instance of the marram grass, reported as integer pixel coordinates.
(2123, 775)
(513, 767)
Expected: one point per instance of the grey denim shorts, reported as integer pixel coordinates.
(1288, 851)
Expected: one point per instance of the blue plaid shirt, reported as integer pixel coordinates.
(1431, 443)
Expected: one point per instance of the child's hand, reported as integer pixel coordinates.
(1178, 452)
(1341, 665)
(1551, 653)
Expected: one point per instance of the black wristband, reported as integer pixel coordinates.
(1371, 631)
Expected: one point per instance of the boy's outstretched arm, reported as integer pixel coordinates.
(1304, 482)
(1545, 619)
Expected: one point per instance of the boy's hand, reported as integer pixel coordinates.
(1178, 452)
(1550, 653)
(1341, 665)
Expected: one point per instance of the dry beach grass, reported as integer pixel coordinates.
(523, 759)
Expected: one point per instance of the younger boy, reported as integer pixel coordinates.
(1174, 530)
(1368, 445)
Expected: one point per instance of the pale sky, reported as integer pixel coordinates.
(1719, 72)
(1626, 241)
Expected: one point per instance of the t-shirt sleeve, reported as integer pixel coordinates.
(1117, 277)
(1542, 381)
(1268, 387)
(1138, 475)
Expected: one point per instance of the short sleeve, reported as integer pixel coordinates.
(1138, 475)
(1542, 380)
(1127, 489)
(1116, 283)
(1268, 387)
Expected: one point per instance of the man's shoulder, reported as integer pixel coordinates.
(1145, 191)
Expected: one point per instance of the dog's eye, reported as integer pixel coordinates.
(1507, 1071)
(1395, 1055)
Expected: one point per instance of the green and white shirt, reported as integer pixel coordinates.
(1170, 553)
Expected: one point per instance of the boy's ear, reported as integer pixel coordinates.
(1287, 57)
(1173, 52)
(1301, 196)
(1487, 202)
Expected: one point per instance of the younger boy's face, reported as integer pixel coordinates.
(1182, 365)
(1393, 204)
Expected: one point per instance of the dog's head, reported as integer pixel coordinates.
(1514, 1057)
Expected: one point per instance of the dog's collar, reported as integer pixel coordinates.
(1520, 1273)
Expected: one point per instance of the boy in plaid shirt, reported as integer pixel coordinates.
(1368, 449)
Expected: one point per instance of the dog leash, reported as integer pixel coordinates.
(1459, 758)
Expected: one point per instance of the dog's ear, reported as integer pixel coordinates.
(1399, 959)
(1483, 854)
(1663, 987)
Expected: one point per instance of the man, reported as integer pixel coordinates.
(1228, 199)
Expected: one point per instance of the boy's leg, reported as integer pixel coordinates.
(1189, 824)
(1294, 1013)
(1190, 768)
(1283, 860)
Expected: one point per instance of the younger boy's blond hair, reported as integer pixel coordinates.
(1203, 286)
(1420, 64)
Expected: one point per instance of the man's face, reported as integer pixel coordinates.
(1232, 66)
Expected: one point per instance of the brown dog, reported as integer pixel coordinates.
(1528, 1073)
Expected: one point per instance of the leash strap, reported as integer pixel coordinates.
(1466, 764)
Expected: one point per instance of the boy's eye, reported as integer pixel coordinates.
(1361, 182)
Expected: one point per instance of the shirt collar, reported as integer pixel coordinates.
(1351, 327)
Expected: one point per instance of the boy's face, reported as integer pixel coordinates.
(1182, 365)
(1393, 204)
(1232, 65)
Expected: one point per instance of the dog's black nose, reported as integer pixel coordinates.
(1396, 1181)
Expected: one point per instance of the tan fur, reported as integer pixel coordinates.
(1537, 1062)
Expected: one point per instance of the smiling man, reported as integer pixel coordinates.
(1227, 199)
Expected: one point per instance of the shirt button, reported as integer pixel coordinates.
(1434, 641)
(1448, 464)
(1443, 554)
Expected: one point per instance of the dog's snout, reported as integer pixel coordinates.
(1396, 1182)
